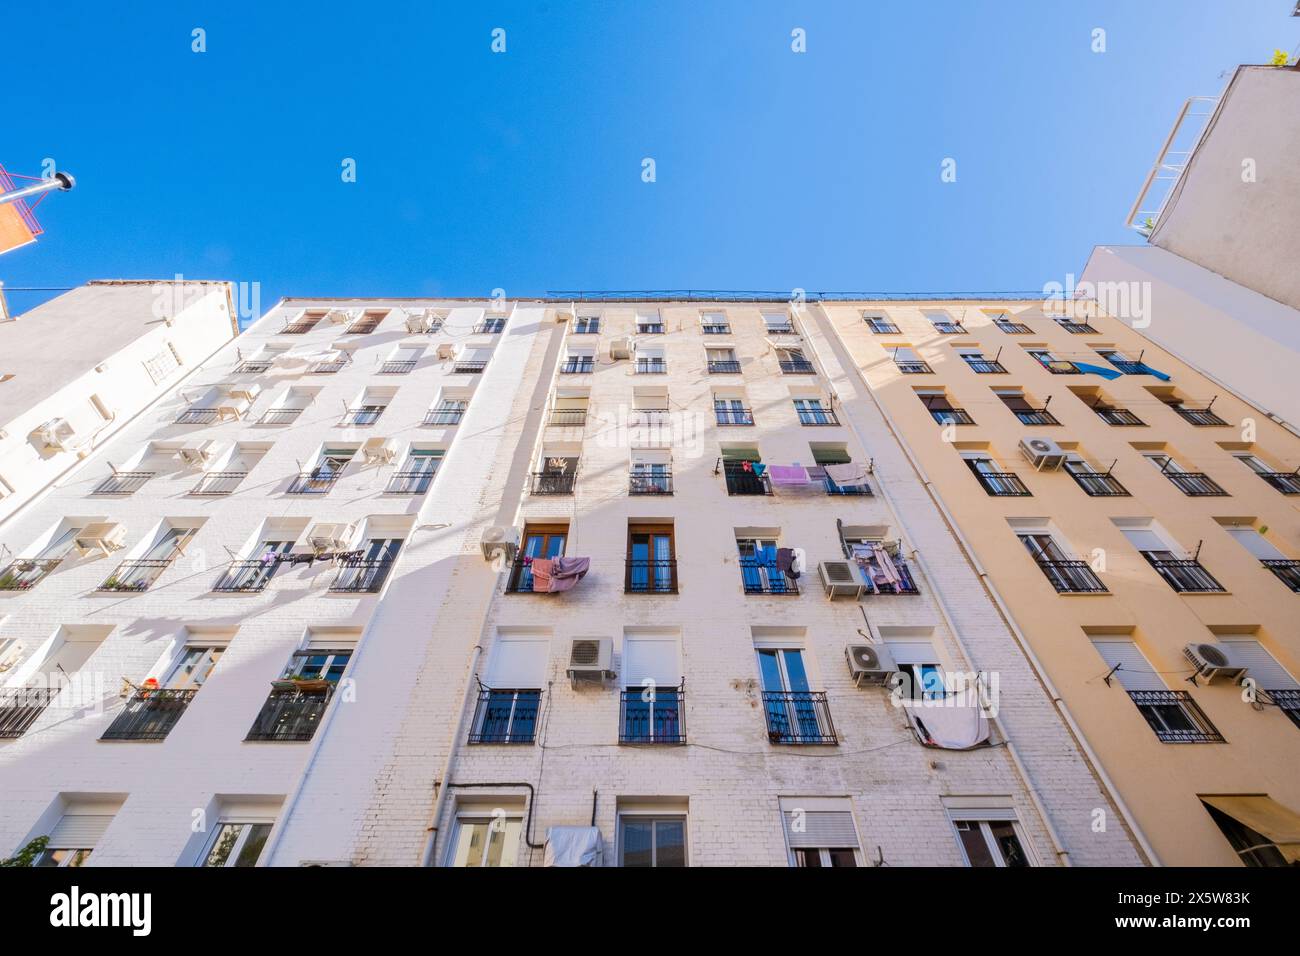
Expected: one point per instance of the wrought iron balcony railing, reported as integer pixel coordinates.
(724, 367)
(880, 327)
(313, 483)
(1127, 367)
(949, 328)
(409, 483)
(397, 367)
(716, 329)
(833, 489)
(553, 482)
(197, 416)
(651, 367)
(1287, 571)
(780, 329)
(361, 416)
(951, 416)
(280, 416)
(20, 706)
(1287, 482)
(650, 483)
(253, 366)
(653, 576)
(362, 327)
(1198, 416)
(298, 328)
(1078, 328)
(135, 575)
(123, 482)
(469, 368)
(640, 417)
(291, 714)
(1072, 577)
(914, 368)
(1060, 367)
(817, 416)
(150, 714)
(734, 416)
(1035, 416)
(797, 367)
(505, 716)
(246, 576)
(1002, 484)
(650, 328)
(567, 417)
(761, 576)
(575, 366)
(364, 576)
(1014, 328)
(444, 416)
(986, 367)
(1175, 717)
(25, 573)
(798, 717)
(1099, 485)
(330, 366)
(1116, 416)
(1184, 574)
(1196, 484)
(652, 715)
(216, 483)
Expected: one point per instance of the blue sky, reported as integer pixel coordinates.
(523, 170)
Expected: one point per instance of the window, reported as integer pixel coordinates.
(1123, 363)
(403, 360)
(646, 840)
(368, 408)
(193, 666)
(298, 700)
(1097, 484)
(992, 843)
(1271, 680)
(366, 568)
(578, 363)
(761, 567)
(908, 362)
(879, 324)
(1284, 569)
(722, 361)
(1067, 574)
(25, 573)
(651, 559)
(651, 361)
(73, 839)
(731, 410)
(811, 412)
(652, 690)
(329, 466)
(448, 411)
(417, 472)
(1258, 828)
(586, 325)
(303, 323)
(883, 567)
(714, 323)
(237, 844)
(511, 692)
(1023, 409)
(368, 322)
(1194, 484)
(920, 674)
(557, 473)
(491, 325)
(255, 572)
(997, 483)
(742, 475)
(1057, 366)
(1172, 714)
(794, 713)
(1183, 574)
(1287, 482)
(819, 832)
(651, 472)
(1007, 324)
(648, 323)
(793, 362)
(944, 324)
(479, 840)
(777, 323)
(137, 574)
(540, 541)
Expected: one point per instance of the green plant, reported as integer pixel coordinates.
(28, 854)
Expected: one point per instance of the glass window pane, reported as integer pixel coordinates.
(469, 844)
(972, 840)
(638, 842)
(1004, 835)
(670, 843)
(252, 848)
(227, 836)
(843, 858)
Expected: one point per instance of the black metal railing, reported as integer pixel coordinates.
(906, 583)
(578, 366)
(1014, 328)
(1196, 484)
(797, 367)
(505, 716)
(716, 329)
(197, 416)
(150, 714)
(651, 367)
(566, 417)
(652, 715)
(798, 717)
(397, 367)
(882, 328)
(650, 328)
(490, 327)
(1072, 577)
(366, 575)
(290, 714)
(833, 489)
(330, 366)
(298, 328)
(1175, 717)
(734, 416)
(521, 578)
(1002, 484)
(1099, 485)
(469, 368)
(135, 575)
(1287, 482)
(780, 330)
(1117, 416)
(247, 576)
(949, 328)
(553, 482)
(20, 706)
(914, 368)
(762, 576)
(444, 416)
(650, 483)
(1286, 569)
(1184, 574)
(280, 416)
(1127, 367)
(123, 482)
(817, 416)
(951, 416)
(361, 416)
(253, 366)
(1035, 416)
(724, 367)
(1198, 416)
(986, 367)
(1078, 328)
(638, 417)
(742, 482)
(362, 327)
(409, 483)
(311, 483)
(215, 483)
(650, 576)
(25, 573)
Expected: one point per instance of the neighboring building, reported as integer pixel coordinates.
(80, 367)
(1218, 284)
(1121, 510)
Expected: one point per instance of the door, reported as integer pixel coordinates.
(254, 576)
(194, 667)
(331, 465)
(420, 467)
(651, 566)
(788, 698)
(540, 541)
(758, 568)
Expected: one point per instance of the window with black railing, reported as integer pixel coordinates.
(20, 706)
(150, 714)
(649, 328)
(1035, 416)
(832, 488)
(798, 717)
(812, 413)
(951, 416)
(217, 483)
(1196, 484)
(469, 366)
(133, 576)
(650, 576)
(317, 482)
(1053, 364)
(249, 575)
(997, 484)
(577, 365)
(301, 326)
(913, 367)
(330, 366)
(554, 482)
(643, 417)
(1286, 700)
(982, 366)
(292, 713)
(759, 574)
(732, 413)
(253, 366)
(280, 416)
(1096, 484)
(1077, 328)
(1287, 482)
(949, 328)
(882, 327)
(744, 481)
(505, 716)
(397, 367)
(567, 417)
(447, 413)
(123, 482)
(1127, 366)
(724, 367)
(652, 715)
(25, 573)
(1116, 416)
(490, 326)
(1185, 575)
(716, 328)
(363, 575)
(650, 481)
(586, 325)
(1200, 417)
(797, 366)
(198, 415)
(1013, 328)
(1287, 570)
(363, 415)
(405, 482)
(1175, 717)
(1071, 576)
(651, 366)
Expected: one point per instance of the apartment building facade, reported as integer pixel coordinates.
(1139, 524)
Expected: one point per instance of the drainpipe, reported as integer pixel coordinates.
(444, 779)
(826, 326)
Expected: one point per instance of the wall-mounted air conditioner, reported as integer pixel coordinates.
(1043, 453)
(446, 352)
(339, 316)
(500, 539)
(330, 535)
(563, 315)
(620, 348)
(56, 433)
(248, 392)
(591, 660)
(1214, 661)
(417, 323)
(870, 663)
(100, 537)
(840, 579)
(379, 450)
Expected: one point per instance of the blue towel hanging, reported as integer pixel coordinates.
(1107, 373)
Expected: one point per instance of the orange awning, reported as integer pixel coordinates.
(14, 230)
(1266, 817)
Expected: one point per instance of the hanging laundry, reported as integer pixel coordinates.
(747, 466)
(848, 475)
(758, 468)
(1150, 371)
(886, 565)
(789, 475)
(566, 572)
(785, 561)
(541, 569)
(1106, 373)
(941, 724)
(816, 473)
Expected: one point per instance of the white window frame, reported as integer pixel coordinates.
(472, 816)
(656, 815)
(982, 821)
(248, 823)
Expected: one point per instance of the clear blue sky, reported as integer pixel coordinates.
(522, 170)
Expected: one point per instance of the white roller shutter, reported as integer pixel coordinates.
(1135, 672)
(1145, 540)
(912, 652)
(518, 664)
(79, 831)
(1255, 543)
(1267, 673)
(832, 829)
(651, 658)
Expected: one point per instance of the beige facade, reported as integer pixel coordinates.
(1167, 525)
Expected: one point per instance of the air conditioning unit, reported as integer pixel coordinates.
(56, 433)
(563, 315)
(330, 536)
(247, 392)
(419, 323)
(840, 578)
(379, 450)
(446, 352)
(1043, 453)
(339, 316)
(503, 539)
(103, 537)
(621, 348)
(591, 660)
(1213, 661)
(870, 663)
(197, 454)
(232, 408)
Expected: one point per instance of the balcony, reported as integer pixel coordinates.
(135, 576)
(20, 706)
(397, 367)
(650, 328)
(1002, 484)
(1078, 328)
(567, 417)
(650, 483)
(150, 714)
(734, 416)
(217, 483)
(951, 416)
(724, 367)
(759, 576)
(1184, 575)
(783, 329)
(798, 717)
(444, 416)
(1175, 717)
(409, 483)
(1287, 482)
(1014, 328)
(914, 368)
(123, 483)
(986, 367)
(553, 482)
(247, 576)
(1117, 416)
(291, 714)
(364, 576)
(881, 327)
(652, 715)
(358, 417)
(362, 326)
(521, 579)
(505, 716)
(650, 576)
(313, 483)
(742, 482)
(1060, 366)
(1196, 484)
(1099, 485)
(949, 328)
(833, 489)
(797, 367)
(906, 584)
(1035, 416)
(280, 416)
(469, 367)
(25, 573)
(1200, 417)
(578, 366)
(817, 416)
(298, 328)
(651, 367)
(198, 416)
(1072, 577)
(1286, 569)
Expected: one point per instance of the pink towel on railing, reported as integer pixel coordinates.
(566, 572)
(788, 475)
(542, 569)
